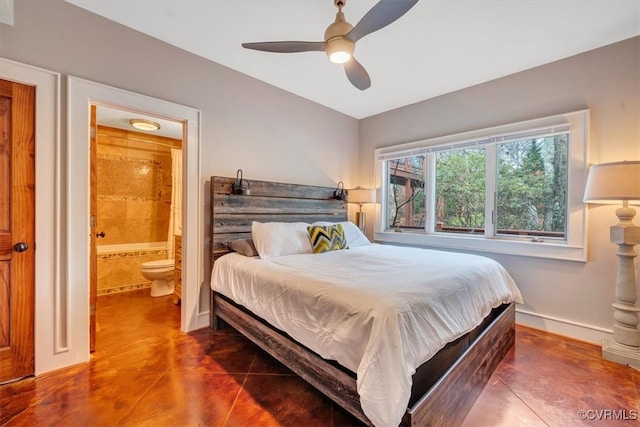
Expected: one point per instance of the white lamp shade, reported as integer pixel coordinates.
(612, 183)
(361, 195)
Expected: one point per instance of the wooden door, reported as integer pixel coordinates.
(17, 230)
(93, 213)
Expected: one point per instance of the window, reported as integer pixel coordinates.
(460, 187)
(514, 189)
(406, 193)
(531, 190)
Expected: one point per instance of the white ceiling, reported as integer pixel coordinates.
(439, 46)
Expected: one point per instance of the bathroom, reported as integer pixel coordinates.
(138, 202)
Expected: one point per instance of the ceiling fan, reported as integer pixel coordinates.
(340, 37)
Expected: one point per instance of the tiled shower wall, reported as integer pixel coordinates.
(133, 172)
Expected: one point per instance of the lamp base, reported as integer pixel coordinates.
(361, 220)
(621, 353)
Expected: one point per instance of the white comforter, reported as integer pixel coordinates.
(379, 310)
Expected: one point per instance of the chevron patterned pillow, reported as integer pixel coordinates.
(325, 238)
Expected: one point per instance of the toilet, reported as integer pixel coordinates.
(160, 273)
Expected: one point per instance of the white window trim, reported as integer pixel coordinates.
(571, 249)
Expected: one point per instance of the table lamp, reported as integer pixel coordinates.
(361, 196)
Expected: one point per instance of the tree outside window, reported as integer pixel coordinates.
(460, 190)
(532, 187)
(406, 192)
(530, 193)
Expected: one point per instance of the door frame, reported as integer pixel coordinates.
(81, 94)
(49, 299)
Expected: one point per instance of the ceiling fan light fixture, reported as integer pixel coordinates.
(339, 49)
(143, 124)
(340, 37)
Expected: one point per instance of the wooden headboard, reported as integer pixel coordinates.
(231, 215)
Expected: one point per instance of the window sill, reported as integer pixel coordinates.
(546, 250)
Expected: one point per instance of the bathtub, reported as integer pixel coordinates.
(119, 265)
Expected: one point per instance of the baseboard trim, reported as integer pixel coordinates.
(202, 320)
(576, 330)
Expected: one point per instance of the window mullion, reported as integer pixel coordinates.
(384, 195)
(490, 210)
(430, 193)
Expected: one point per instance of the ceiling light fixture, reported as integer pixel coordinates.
(143, 124)
(340, 38)
(339, 48)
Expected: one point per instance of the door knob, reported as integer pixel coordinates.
(20, 247)
(100, 234)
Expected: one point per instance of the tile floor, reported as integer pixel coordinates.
(145, 372)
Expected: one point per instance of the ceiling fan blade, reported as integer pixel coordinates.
(380, 15)
(285, 47)
(356, 74)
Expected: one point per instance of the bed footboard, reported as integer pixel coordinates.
(448, 402)
(445, 403)
(335, 383)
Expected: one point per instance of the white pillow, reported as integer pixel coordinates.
(354, 235)
(273, 239)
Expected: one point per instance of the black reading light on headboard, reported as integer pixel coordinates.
(340, 193)
(238, 187)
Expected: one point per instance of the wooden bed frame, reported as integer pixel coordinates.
(444, 388)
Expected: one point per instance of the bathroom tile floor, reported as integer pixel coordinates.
(145, 372)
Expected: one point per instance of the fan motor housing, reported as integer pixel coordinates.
(339, 27)
(335, 40)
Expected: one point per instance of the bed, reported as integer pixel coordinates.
(441, 368)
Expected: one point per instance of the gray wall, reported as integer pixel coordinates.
(269, 133)
(605, 80)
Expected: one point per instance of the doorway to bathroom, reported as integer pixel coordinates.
(70, 326)
(135, 208)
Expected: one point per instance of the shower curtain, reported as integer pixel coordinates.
(175, 214)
